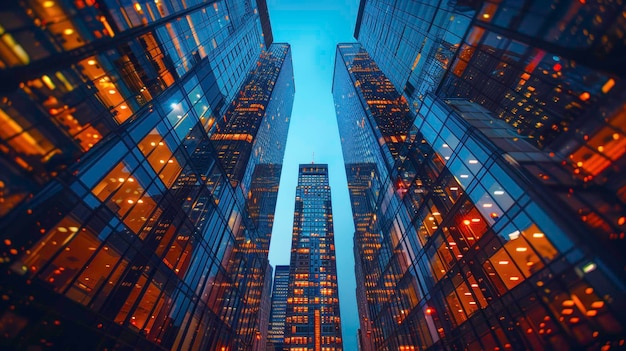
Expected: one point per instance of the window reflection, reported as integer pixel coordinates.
(108, 91)
(97, 274)
(160, 157)
(124, 194)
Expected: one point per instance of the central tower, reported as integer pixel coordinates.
(313, 322)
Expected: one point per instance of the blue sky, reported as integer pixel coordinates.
(313, 28)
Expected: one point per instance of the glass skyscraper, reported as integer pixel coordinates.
(498, 223)
(121, 227)
(276, 334)
(313, 320)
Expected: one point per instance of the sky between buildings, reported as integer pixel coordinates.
(313, 28)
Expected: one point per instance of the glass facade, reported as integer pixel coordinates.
(121, 229)
(276, 334)
(265, 310)
(457, 245)
(313, 321)
(547, 68)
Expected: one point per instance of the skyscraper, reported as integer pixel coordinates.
(250, 143)
(456, 243)
(276, 334)
(120, 227)
(313, 320)
(548, 69)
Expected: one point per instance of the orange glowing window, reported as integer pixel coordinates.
(22, 141)
(160, 157)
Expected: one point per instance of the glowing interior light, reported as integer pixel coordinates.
(538, 235)
(464, 176)
(589, 267)
(608, 85)
(514, 278)
(597, 305)
(112, 91)
(473, 162)
(503, 262)
(498, 192)
(445, 145)
(123, 107)
(584, 96)
(467, 222)
(91, 62)
(487, 205)
(486, 16)
(475, 220)
(68, 31)
(454, 188)
(514, 235)
(130, 201)
(137, 7)
(521, 249)
(48, 4)
(121, 180)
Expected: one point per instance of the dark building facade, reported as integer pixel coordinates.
(313, 320)
(457, 244)
(276, 333)
(265, 310)
(121, 227)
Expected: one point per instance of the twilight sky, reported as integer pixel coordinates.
(313, 28)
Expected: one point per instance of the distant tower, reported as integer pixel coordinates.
(276, 334)
(313, 321)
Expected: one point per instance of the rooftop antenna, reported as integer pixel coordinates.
(313, 159)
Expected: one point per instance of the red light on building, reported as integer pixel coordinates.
(429, 311)
(557, 67)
